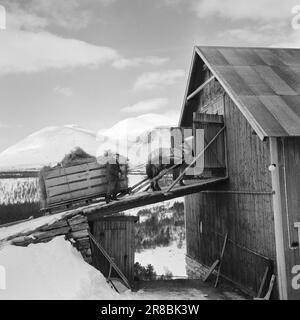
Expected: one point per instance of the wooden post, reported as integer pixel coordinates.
(279, 232)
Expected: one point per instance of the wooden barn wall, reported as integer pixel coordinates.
(117, 238)
(212, 97)
(246, 216)
(289, 172)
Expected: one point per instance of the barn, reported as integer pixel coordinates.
(247, 102)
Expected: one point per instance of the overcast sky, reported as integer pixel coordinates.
(96, 62)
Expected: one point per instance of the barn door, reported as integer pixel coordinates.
(205, 129)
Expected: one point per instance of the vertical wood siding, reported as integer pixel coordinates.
(117, 238)
(247, 217)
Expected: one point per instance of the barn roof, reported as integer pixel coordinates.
(263, 82)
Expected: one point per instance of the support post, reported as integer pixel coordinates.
(278, 222)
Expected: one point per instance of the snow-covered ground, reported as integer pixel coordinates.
(164, 259)
(54, 270)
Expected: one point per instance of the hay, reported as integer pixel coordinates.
(76, 156)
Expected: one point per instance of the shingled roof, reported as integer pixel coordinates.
(264, 83)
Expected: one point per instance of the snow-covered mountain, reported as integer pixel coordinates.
(49, 145)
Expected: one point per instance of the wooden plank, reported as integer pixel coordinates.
(214, 156)
(75, 186)
(278, 222)
(221, 259)
(263, 282)
(61, 171)
(104, 252)
(97, 191)
(75, 177)
(145, 198)
(201, 87)
(80, 175)
(194, 161)
(211, 270)
(209, 118)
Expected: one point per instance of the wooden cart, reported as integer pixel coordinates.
(63, 187)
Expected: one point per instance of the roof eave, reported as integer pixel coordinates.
(254, 124)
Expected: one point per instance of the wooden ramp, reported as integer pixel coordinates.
(100, 209)
(145, 198)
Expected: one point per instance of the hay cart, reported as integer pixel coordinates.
(70, 186)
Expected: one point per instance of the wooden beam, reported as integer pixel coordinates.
(110, 260)
(145, 198)
(278, 222)
(194, 161)
(221, 259)
(211, 270)
(201, 87)
(263, 282)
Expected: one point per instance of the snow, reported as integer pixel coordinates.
(56, 270)
(131, 128)
(25, 227)
(53, 270)
(164, 259)
(47, 147)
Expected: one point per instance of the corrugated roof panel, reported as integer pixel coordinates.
(293, 102)
(233, 57)
(234, 80)
(268, 57)
(291, 76)
(287, 56)
(214, 57)
(288, 119)
(253, 80)
(250, 57)
(263, 116)
(274, 81)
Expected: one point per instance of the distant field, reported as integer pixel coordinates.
(19, 199)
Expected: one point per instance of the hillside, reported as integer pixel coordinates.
(49, 145)
(46, 147)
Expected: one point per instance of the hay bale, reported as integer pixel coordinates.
(76, 156)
